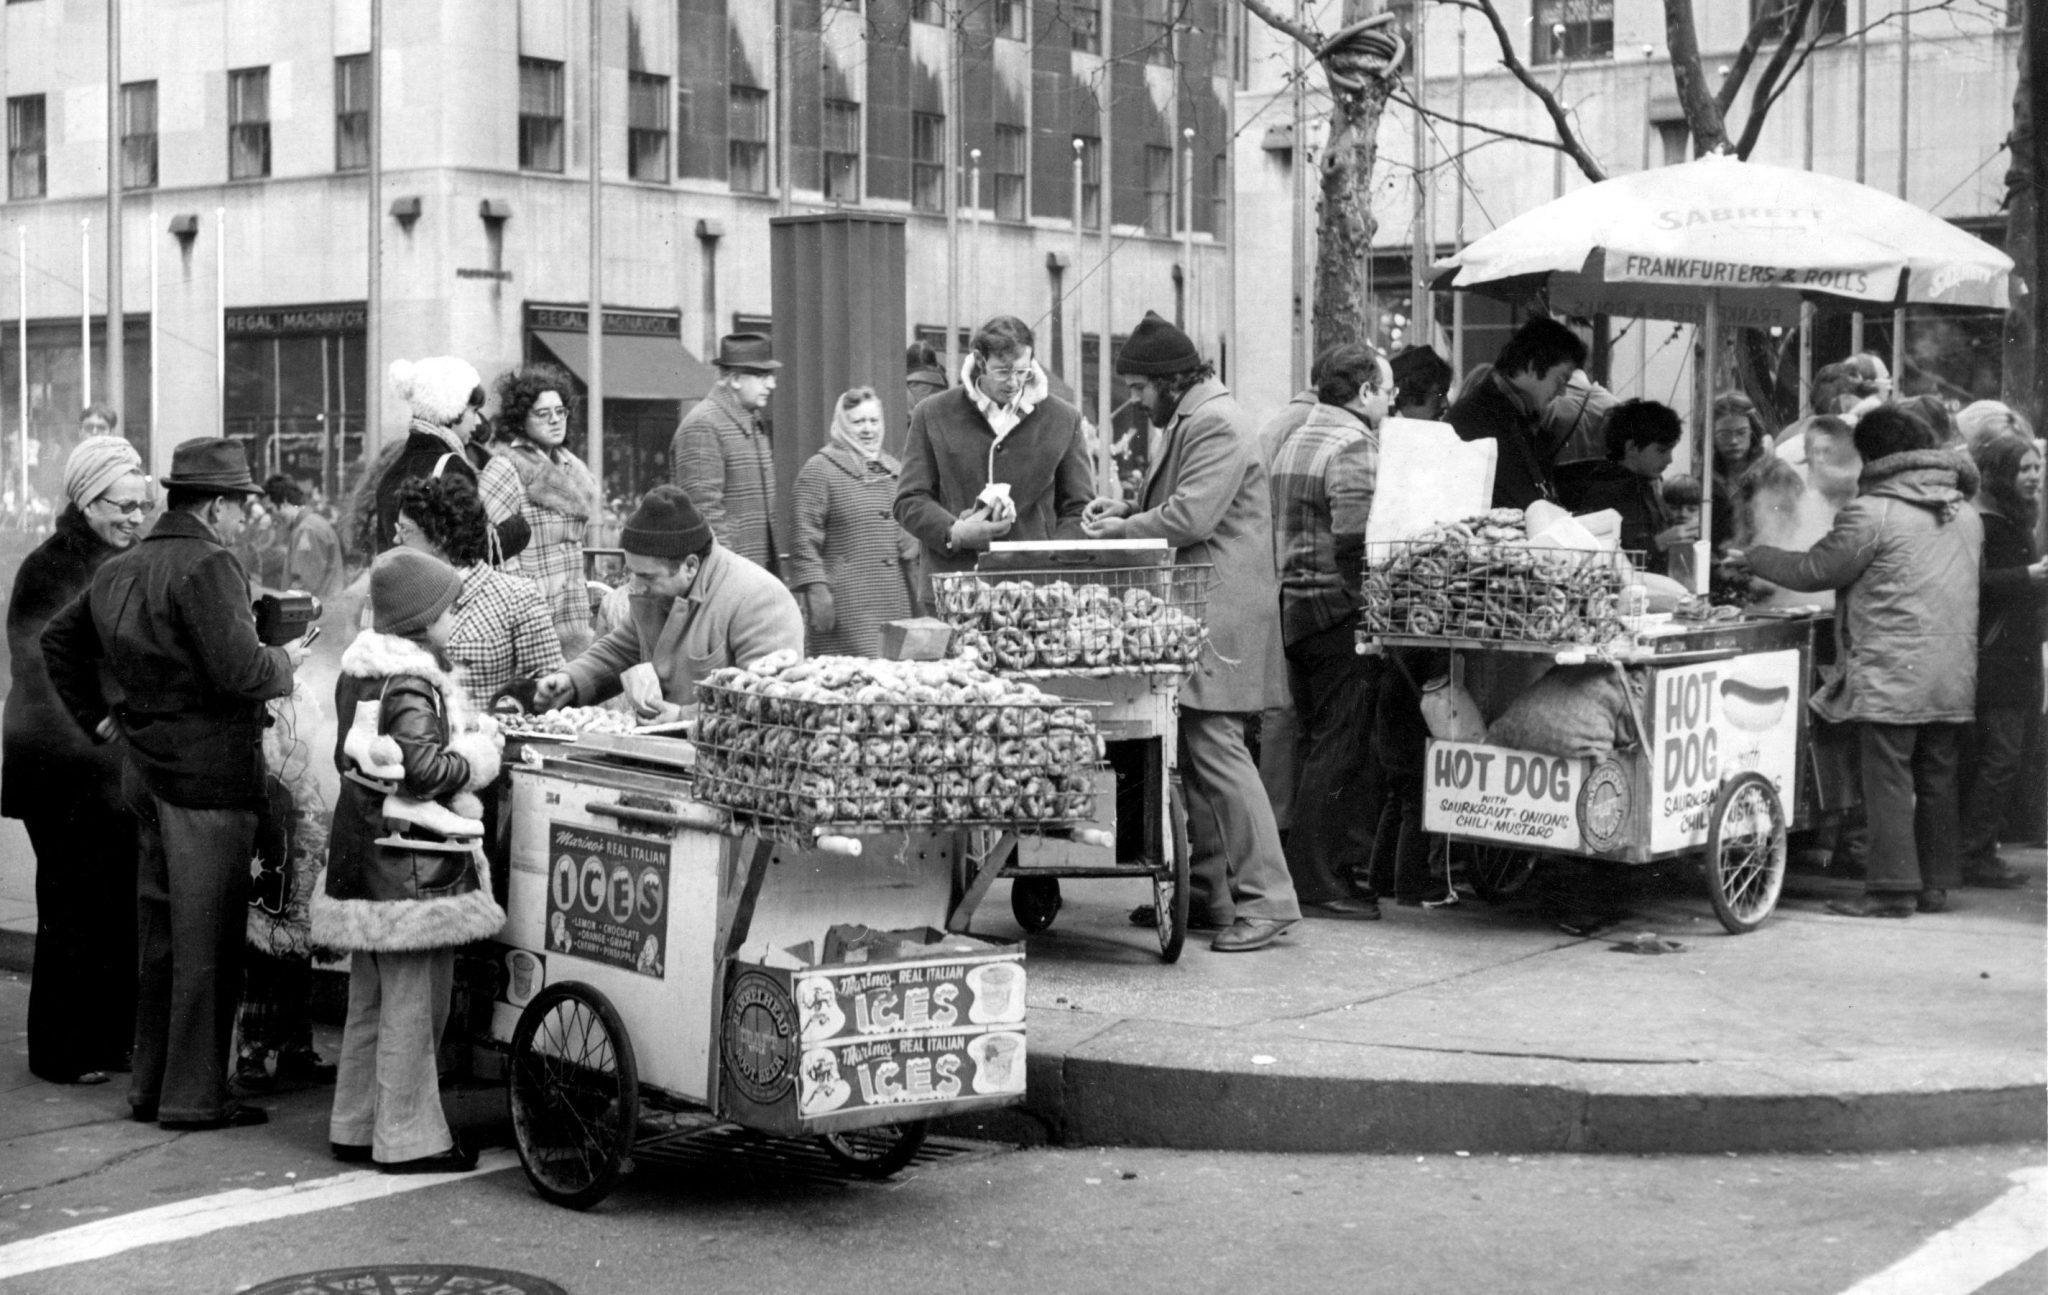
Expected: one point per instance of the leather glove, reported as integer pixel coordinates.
(818, 609)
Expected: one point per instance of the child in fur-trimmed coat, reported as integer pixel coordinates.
(402, 910)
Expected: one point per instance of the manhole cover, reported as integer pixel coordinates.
(409, 1279)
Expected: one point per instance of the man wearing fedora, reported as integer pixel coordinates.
(1205, 493)
(167, 625)
(720, 454)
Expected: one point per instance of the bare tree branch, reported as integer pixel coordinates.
(1761, 99)
(1753, 41)
(1279, 22)
(1702, 112)
(1568, 138)
(1408, 101)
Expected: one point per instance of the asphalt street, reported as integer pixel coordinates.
(92, 1203)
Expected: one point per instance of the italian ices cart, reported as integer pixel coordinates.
(678, 953)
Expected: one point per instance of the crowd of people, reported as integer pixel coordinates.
(142, 747)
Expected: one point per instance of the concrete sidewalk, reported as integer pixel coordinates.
(1477, 1028)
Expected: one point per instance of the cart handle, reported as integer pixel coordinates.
(654, 817)
(847, 845)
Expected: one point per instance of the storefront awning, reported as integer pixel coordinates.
(635, 368)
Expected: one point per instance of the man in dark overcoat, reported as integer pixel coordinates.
(162, 654)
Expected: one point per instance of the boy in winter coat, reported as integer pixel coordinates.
(402, 904)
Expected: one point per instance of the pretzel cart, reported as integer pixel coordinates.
(748, 927)
(1116, 624)
(1712, 732)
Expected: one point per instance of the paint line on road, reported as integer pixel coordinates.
(184, 1220)
(1976, 1252)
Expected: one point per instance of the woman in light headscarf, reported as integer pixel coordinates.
(852, 564)
(66, 789)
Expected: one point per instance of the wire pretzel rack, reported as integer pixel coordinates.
(1124, 620)
(1498, 593)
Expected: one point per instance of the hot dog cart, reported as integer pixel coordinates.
(1712, 751)
(675, 946)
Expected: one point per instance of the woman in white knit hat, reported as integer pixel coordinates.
(66, 789)
(447, 398)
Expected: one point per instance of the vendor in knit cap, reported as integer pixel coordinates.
(695, 606)
(1205, 493)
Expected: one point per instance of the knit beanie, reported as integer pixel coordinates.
(438, 388)
(1157, 347)
(409, 590)
(665, 525)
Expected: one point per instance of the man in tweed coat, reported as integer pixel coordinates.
(1205, 493)
(720, 454)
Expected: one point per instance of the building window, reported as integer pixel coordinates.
(746, 133)
(927, 161)
(138, 135)
(540, 115)
(249, 123)
(1009, 172)
(25, 147)
(1091, 181)
(1009, 19)
(839, 141)
(1084, 20)
(1829, 17)
(647, 127)
(352, 113)
(1155, 27)
(1674, 141)
(1219, 196)
(1568, 30)
(928, 11)
(1159, 213)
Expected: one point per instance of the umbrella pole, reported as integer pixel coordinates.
(1703, 548)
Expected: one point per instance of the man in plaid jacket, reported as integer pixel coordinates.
(1323, 475)
(720, 454)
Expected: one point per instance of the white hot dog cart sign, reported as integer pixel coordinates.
(1493, 793)
(1710, 722)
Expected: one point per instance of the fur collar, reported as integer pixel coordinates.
(1938, 480)
(562, 485)
(376, 655)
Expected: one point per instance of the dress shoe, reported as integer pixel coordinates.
(1874, 906)
(1347, 909)
(1147, 916)
(452, 1161)
(303, 1065)
(235, 1117)
(143, 1114)
(350, 1153)
(1248, 933)
(1932, 901)
(1995, 877)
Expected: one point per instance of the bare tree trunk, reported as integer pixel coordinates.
(1360, 63)
(2025, 386)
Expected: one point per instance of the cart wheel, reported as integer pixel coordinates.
(1745, 861)
(574, 1094)
(876, 1152)
(1498, 872)
(1170, 890)
(1035, 901)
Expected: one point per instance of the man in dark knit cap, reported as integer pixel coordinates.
(696, 605)
(1205, 493)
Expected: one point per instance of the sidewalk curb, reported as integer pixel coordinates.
(1120, 1087)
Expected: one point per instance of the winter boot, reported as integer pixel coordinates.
(361, 746)
(431, 815)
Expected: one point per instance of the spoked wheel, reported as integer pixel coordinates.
(1745, 861)
(1497, 872)
(876, 1152)
(574, 1094)
(1035, 901)
(1170, 892)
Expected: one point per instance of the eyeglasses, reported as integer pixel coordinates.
(550, 413)
(126, 507)
(1006, 375)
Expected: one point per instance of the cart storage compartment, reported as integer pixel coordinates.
(846, 1045)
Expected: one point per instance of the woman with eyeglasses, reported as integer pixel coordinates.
(561, 494)
(66, 789)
